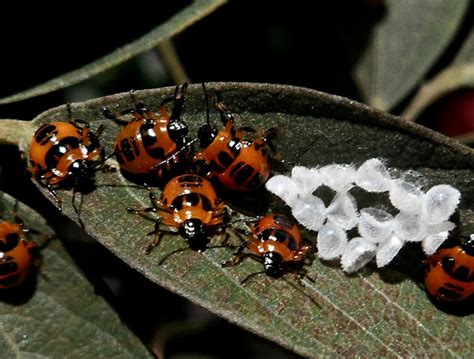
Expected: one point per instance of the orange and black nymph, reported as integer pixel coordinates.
(190, 204)
(230, 160)
(17, 254)
(449, 273)
(65, 155)
(153, 145)
(276, 241)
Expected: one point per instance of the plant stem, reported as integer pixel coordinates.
(170, 58)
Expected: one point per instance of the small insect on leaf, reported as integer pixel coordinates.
(314, 130)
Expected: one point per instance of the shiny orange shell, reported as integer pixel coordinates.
(450, 274)
(190, 196)
(55, 146)
(16, 255)
(237, 164)
(249, 170)
(277, 233)
(144, 142)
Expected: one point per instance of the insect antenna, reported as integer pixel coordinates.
(69, 111)
(206, 99)
(100, 163)
(110, 115)
(251, 275)
(267, 137)
(178, 98)
(179, 250)
(76, 209)
(300, 287)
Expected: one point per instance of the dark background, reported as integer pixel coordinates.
(311, 44)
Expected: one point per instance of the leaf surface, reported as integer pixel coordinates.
(60, 317)
(384, 313)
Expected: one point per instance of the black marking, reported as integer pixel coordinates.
(192, 199)
(264, 152)
(206, 203)
(11, 241)
(244, 174)
(448, 264)
(148, 134)
(60, 149)
(236, 168)
(453, 287)
(449, 294)
(265, 234)
(214, 167)
(157, 153)
(127, 150)
(225, 159)
(461, 273)
(190, 178)
(280, 236)
(135, 146)
(11, 280)
(256, 181)
(292, 243)
(44, 132)
(177, 203)
(8, 268)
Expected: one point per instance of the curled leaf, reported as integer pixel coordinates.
(197, 10)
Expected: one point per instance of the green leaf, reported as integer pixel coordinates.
(403, 46)
(63, 318)
(457, 75)
(194, 12)
(385, 314)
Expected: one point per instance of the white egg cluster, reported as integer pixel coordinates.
(422, 217)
